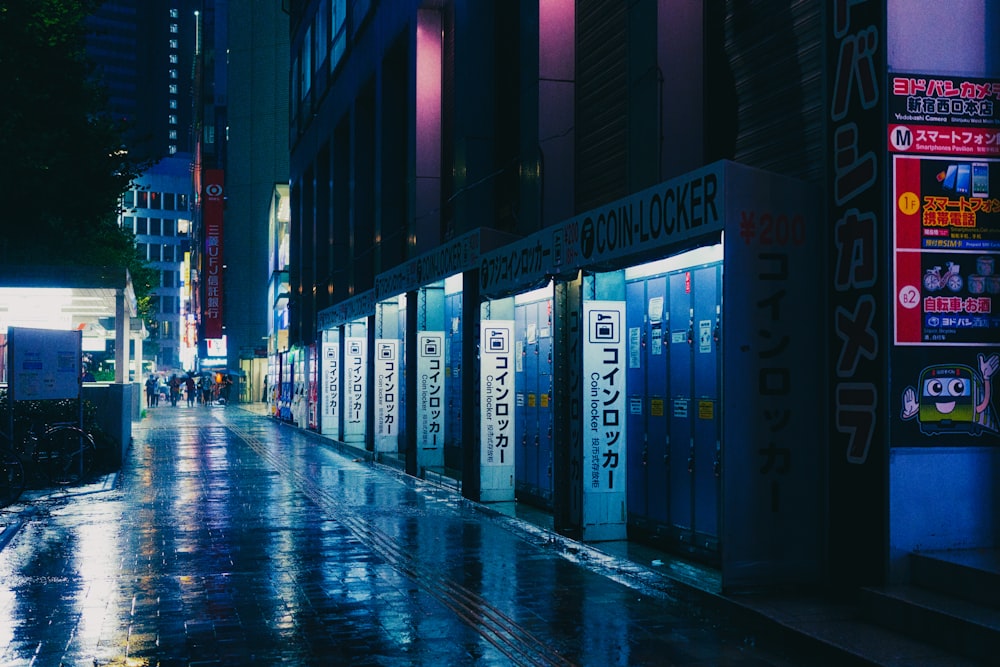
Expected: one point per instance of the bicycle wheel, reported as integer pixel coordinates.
(65, 454)
(11, 477)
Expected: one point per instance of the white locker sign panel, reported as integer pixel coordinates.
(430, 397)
(497, 391)
(604, 360)
(387, 387)
(330, 372)
(355, 380)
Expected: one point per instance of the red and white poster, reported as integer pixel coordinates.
(947, 250)
(213, 204)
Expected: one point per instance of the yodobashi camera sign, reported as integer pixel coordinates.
(496, 389)
(430, 398)
(604, 420)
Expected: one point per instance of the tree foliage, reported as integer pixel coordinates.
(62, 164)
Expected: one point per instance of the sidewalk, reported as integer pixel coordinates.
(807, 620)
(231, 539)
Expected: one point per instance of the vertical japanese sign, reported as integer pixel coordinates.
(604, 358)
(496, 390)
(386, 395)
(213, 205)
(330, 392)
(855, 205)
(430, 397)
(355, 381)
(947, 247)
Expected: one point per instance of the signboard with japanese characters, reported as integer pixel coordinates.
(430, 399)
(944, 114)
(213, 208)
(604, 395)
(387, 388)
(330, 391)
(496, 390)
(355, 381)
(947, 247)
(43, 363)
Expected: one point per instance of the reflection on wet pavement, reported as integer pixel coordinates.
(233, 540)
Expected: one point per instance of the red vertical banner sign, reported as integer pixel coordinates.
(213, 204)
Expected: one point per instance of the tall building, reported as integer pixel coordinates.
(143, 52)
(715, 276)
(158, 210)
(256, 165)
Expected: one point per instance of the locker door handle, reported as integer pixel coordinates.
(691, 461)
(717, 467)
(645, 455)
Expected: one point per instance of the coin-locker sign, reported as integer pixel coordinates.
(386, 395)
(430, 397)
(496, 425)
(604, 359)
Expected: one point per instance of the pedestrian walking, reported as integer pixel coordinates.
(175, 389)
(150, 391)
(189, 391)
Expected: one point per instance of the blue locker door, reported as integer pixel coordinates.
(520, 400)
(657, 398)
(545, 362)
(531, 386)
(681, 454)
(706, 398)
(636, 453)
(453, 382)
(545, 400)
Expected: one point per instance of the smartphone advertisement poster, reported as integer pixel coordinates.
(947, 250)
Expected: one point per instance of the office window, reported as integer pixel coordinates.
(173, 89)
(172, 134)
(173, 28)
(154, 252)
(173, 74)
(169, 197)
(128, 222)
(173, 58)
(173, 43)
(172, 119)
(128, 199)
(171, 149)
(168, 276)
(168, 252)
(173, 104)
(182, 202)
(142, 226)
(168, 227)
(154, 200)
(173, 13)
(155, 226)
(142, 199)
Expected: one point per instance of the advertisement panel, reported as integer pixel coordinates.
(387, 386)
(947, 247)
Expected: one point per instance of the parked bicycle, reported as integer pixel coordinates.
(60, 454)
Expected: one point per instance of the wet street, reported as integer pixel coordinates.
(229, 539)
